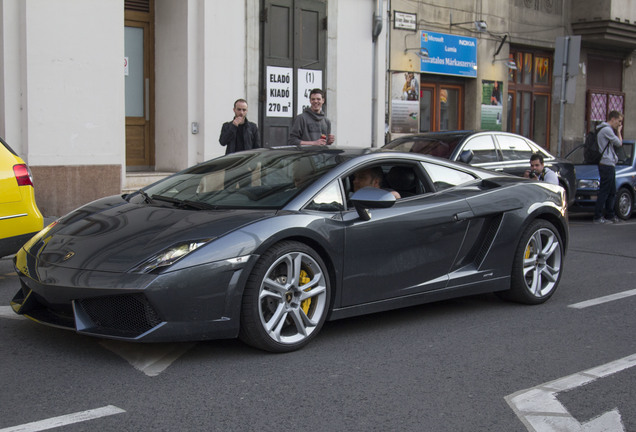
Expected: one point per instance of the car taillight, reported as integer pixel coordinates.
(23, 175)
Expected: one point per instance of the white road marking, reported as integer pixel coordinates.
(7, 312)
(151, 359)
(540, 410)
(604, 299)
(65, 419)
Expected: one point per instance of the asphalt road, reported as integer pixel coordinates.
(472, 364)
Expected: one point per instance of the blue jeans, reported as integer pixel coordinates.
(606, 193)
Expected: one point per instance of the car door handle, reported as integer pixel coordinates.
(464, 215)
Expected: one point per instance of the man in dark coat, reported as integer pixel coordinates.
(239, 134)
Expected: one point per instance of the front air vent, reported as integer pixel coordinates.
(129, 314)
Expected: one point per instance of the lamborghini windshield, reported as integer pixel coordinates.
(253, 179)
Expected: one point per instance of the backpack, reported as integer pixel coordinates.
(591, 154)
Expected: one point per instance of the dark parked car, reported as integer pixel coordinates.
(588, 180)
(498, 151)
(268, 244)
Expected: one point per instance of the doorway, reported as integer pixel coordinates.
(441, 106)
(139, 79)
(294, 61)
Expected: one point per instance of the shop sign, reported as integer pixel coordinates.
(308, 79)
(280, 84)
(448, 54)
(403, 20)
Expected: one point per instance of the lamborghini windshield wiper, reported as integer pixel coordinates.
(184, 203)
(146, 197)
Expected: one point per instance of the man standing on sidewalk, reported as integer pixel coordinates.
(312, 127)
(607, 139)
(239, 134)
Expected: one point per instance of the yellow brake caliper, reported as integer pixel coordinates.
(528, 251)
(304, 278)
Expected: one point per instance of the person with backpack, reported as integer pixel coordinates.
(609, 137)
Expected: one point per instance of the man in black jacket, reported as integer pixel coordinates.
(239, 134)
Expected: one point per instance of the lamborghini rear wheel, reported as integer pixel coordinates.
(286, 298)
(538, 264)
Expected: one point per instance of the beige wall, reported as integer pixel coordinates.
(62, 188)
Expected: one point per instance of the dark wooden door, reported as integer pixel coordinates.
(294, 50)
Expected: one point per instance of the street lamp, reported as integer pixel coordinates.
(480, 25)
(421, 52)
(510, 63)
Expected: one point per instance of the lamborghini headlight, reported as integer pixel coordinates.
(169, 256)
(588, 184)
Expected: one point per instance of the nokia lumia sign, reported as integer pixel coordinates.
(449, 54)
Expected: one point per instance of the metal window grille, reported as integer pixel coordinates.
(600, 103)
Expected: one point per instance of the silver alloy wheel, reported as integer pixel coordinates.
(292, 298)
(542, 262)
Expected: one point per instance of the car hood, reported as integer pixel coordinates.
(119, 238)
(586, 172)
(591, 171)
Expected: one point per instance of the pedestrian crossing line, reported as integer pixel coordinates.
(540, 410)
(151, 359)
(64, 420)
(601, 300)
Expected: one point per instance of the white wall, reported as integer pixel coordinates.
(10, 75)
(206, 58)
(171, 84)
(72, 72)
(350, 66)
(225, 70)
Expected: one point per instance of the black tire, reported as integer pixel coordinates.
(537, 265)
(624, 204)
(282, 313)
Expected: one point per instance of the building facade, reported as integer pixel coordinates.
(94, 93)
(495, 64)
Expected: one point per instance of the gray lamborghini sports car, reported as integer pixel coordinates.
(268, 244)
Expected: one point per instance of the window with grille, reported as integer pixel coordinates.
(604, 89)
(600, 103)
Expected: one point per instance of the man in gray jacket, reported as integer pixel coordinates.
(609, 136)
(311, 127)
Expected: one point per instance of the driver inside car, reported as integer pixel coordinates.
(370, 177)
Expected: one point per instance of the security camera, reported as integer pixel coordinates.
(481, 26)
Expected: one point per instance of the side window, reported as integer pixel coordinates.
(432, 147)
(401, 180)
(329, 199)
(483, 148)
(514, 149)
(445, 177)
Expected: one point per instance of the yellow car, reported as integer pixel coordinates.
(20, 217)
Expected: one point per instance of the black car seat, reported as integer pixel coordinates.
(402, 180)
